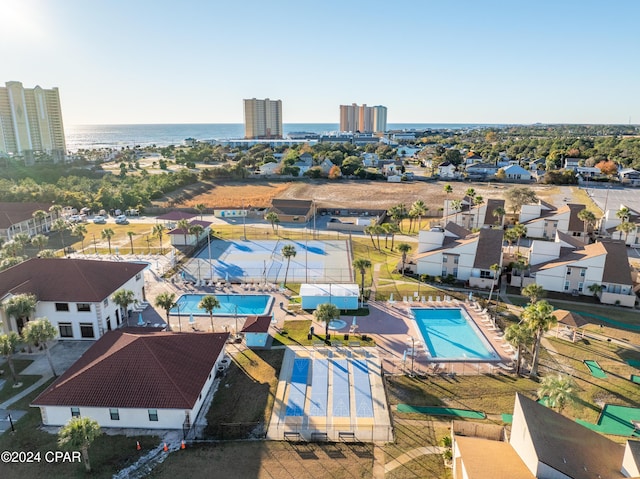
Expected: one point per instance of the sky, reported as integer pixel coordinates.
(475, 61)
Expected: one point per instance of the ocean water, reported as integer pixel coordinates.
(118, 136)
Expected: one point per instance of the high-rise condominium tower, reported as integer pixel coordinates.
(363, 119)
(262, 118)
(31, 121)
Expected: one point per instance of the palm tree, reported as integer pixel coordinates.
(8, 343)
(386, 229)
(40, 241)
(39, 332)
(57, 209)
(60, 226)
(378, 230)
(392, 230)
(623, 214)
(457, 207)
(12, 248)
(324, 313)
(200, 207)
(123, 298)
(79, 230)
(559, 390)
(496, 270)
(370, 230)
(39, 216)
(510, 237)
(520, 231)
(596, 289)
(419, 209)
(589, 219)
(47, 253)
(209, 303)
(499, 213)
(448, 190)
(626, 228)
(79, 433)
(539, 318)
(107, 234)
(404, 248)
(288, 251)
(273, 218)
(131, 234)
(361, 265)
(471, 193)
(166, 301)
(398, 213)
(477, 201)
(534, 292)
(520, 265)
(21, 306)
(518, 336)
(183, 225)
(158, 231)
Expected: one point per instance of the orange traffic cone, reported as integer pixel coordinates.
(183, 445)
(165, 447)
(138, 445)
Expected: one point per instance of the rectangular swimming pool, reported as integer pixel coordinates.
(230, 304)
(449, 334)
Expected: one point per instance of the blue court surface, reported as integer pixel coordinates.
(262, 260)
(298, 391)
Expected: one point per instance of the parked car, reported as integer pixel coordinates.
(75, 219)
(121, 220)
(99, 220)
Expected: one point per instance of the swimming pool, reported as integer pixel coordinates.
(449, 334)
(230, 304)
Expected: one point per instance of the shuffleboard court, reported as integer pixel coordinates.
(319, 388)
(298, 387)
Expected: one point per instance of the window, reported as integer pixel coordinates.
(62, 306)
(86, 330)
(456, 259)
(115, 414)
(568, 271)
(455, 272)
(75, 412)
(83, 307)
(444, 272)
(486, 274)
(105, 302)
(580, 286)
(153, 414)
(566, 285)
(66, 331)
(138, 276)
(582, 272)
(445, 258)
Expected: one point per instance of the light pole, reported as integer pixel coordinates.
(95, 248)
(179, 319)
(413, 352)
(209, 249)
(13, 429)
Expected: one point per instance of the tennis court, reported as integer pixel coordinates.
(262, 261)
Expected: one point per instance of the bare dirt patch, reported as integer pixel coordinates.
(234, 195)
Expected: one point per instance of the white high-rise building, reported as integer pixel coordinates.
(363, 119)
(31, 121)
(262, 118)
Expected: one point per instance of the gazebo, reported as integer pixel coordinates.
(572, 323)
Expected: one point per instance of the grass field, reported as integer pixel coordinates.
(254, 194)
(297, 331)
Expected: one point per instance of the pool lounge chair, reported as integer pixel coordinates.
(422, 299)
(431, 299)
(404, 299)
(437, 299)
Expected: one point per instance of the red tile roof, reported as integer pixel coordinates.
(122, 369)
(67, 280)
(14, 213)
(256, 324)
(176, 216)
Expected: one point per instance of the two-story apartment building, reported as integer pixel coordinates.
(543, 221)
(74, 294)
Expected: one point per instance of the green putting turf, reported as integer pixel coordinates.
(596, 370)
(442, 411)
(635, 379)
(507, 418)
(615, 420)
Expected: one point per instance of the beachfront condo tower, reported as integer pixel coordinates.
(31, 122)
(363, 119)
(262, 118)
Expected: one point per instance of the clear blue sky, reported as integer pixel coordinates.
(157, 61)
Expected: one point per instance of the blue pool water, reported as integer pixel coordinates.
(247, 304)
(448, 334)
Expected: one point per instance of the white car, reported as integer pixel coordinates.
(121, 220)
(99, 220)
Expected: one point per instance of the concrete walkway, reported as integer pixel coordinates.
(411, 455)
(25, 392)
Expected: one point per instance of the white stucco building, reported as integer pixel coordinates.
(74, 294)
(543, 220)
(137, 379)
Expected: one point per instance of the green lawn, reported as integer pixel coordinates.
(297, 335)
(252, 374)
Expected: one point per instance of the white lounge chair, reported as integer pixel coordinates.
(404, 299)
(431, 299)
(437, 299)
(422, 299)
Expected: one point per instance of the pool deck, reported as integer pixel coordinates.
(391, 325)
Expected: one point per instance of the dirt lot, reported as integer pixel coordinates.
(355, 194)
(379, 195)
